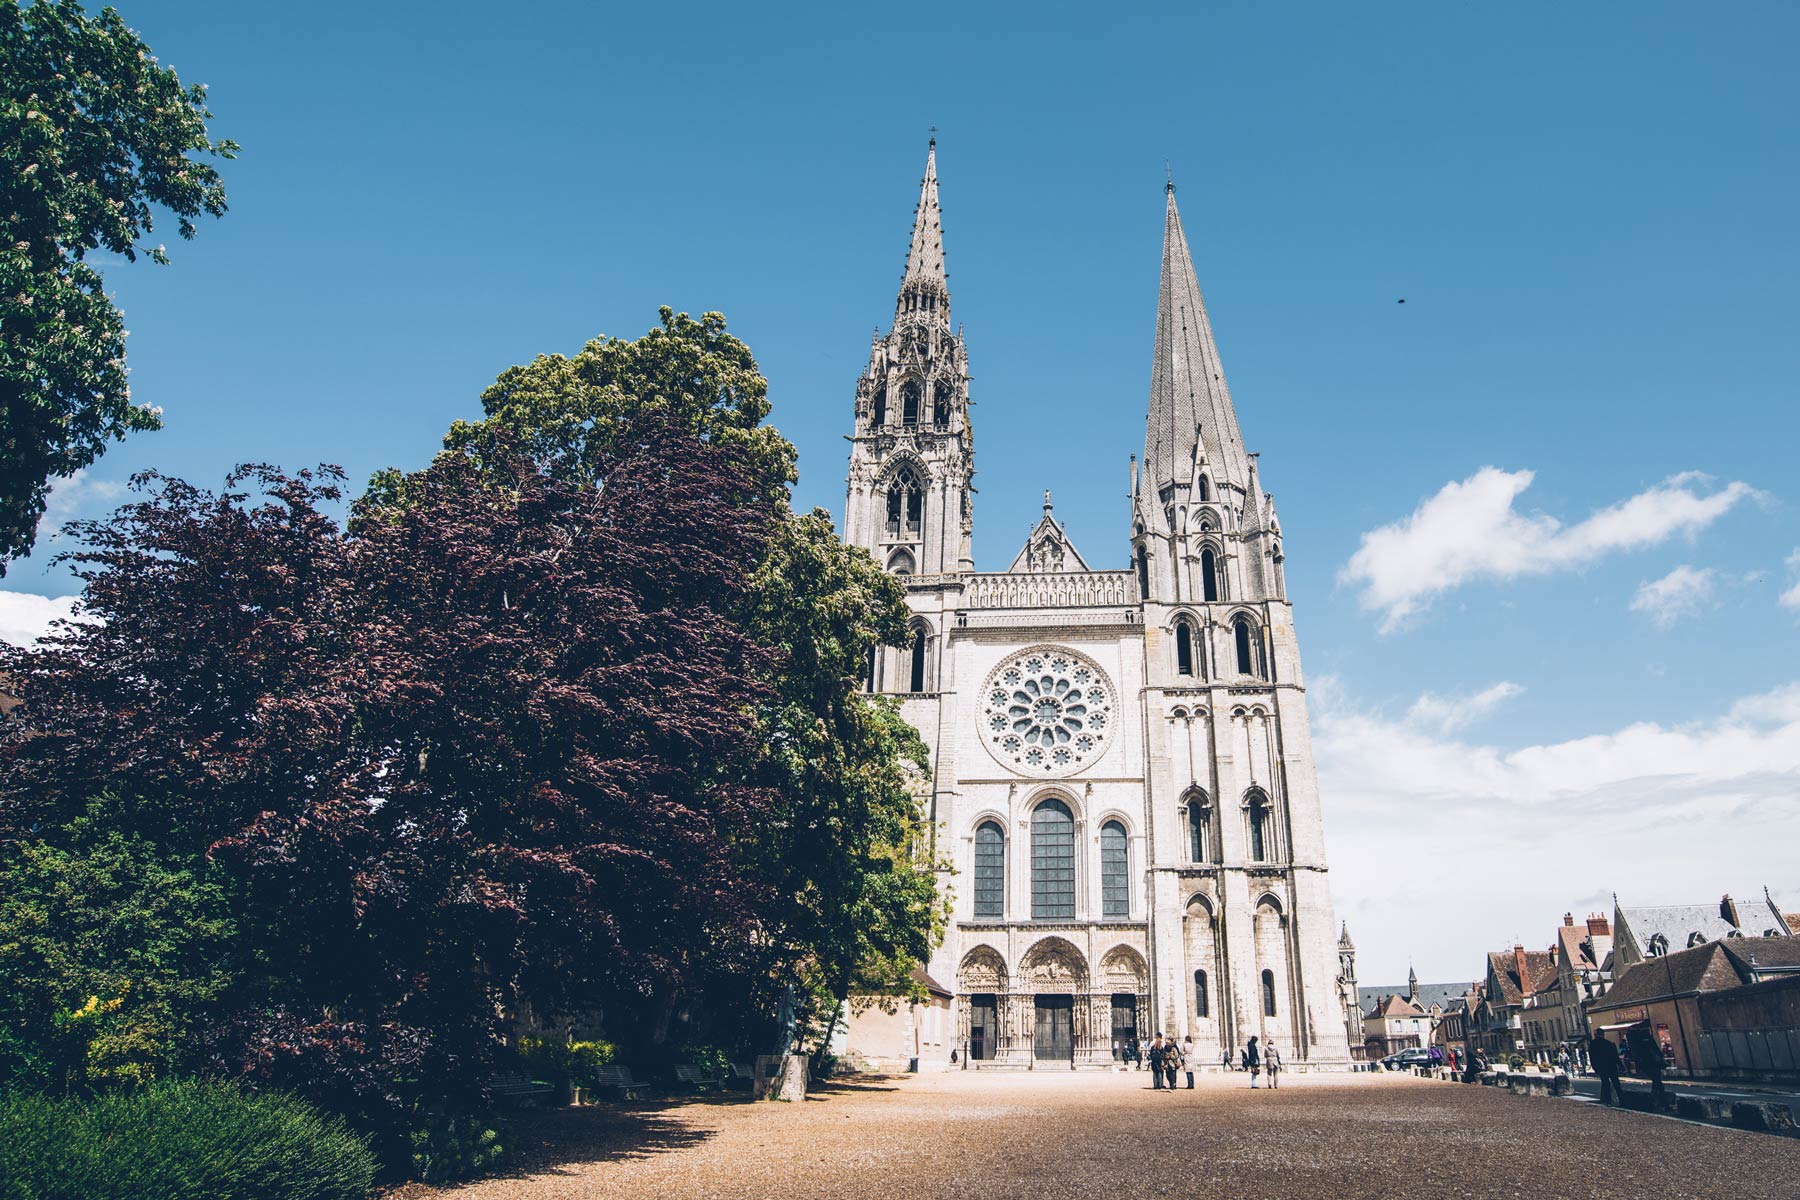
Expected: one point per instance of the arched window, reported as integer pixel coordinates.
(880, 417)
(1205, 488)
(940, 405)
(1268, 991)
(909, 403)
(1199, 824)
(1209, 574)
(1143, 570)
(1259, 827)
(1115, 887)
(917, 678)
(1202, 1007)
(901, 563)
(1052, 861)
(1247, 658)
(990, 871)
(1659, 945)
(1184, 648)
(906, 503)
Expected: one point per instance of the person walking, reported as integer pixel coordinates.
(1172, 1061)
(1253, 1061)
(1272, 1060)
(1156, 1062)
(1225, 1060)
(1603, 1056)
(1563, 1061)
(1649, 1057)
(1187, 1058)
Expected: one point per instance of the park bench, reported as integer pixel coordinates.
(512, 1088)
(618, 1080)
(743, 1073)
(700, 1080)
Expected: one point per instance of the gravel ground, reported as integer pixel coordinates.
(1000, 1136)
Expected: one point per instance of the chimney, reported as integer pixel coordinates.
(1598, 926)
(1728, 909)
(1568, 918)
(1519, 965)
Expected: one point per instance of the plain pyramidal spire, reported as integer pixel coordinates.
(1190, 405)
(925, 287)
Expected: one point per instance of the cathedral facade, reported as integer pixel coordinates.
(1122, 775)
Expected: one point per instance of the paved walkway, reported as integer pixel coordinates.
(1007, 1137)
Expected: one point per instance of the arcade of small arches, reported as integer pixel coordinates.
(1051, 1011)
(913, 410)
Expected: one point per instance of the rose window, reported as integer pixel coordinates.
(1047, 712)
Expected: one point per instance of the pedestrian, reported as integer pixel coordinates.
(1272, 1060)
(1187, 1058)
(1603, 1056)
(1156, 1062)
(1563, 1061)
(1253, 1061)
(1171, 1062)
(1137, 1062)
(1649, 1058)
(1225, 1060)
(1581, 1058)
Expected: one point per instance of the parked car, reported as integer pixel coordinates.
(1402, 1060)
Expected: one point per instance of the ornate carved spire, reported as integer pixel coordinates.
(925, 288)
(1190, 405)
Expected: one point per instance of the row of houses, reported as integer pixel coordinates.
(1718, 986)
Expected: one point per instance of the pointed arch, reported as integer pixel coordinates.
(1259, 817)
(1052, 860)
(1143, 573)
(920, 643)
(1184, 647)
(1115, 870)
(1209, 575)
(905, 499)
(910, 399)
(900, 562)
(990, 871)
(1199, 818)
(1247, 643)
(878, 415)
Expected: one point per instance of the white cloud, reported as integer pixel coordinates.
(73, 497)
(1449, 714)
(1791, 597)
(24, 618)
(1684, 592)
(1443, 849)
(1471, 531)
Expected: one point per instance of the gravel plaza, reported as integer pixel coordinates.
(997, 1135)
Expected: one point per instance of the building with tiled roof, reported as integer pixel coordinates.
(1641, 933)
(1726, 1007)
(1514, 979)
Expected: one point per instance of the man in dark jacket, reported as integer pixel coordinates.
(1649, 1057)
(1603, 1056)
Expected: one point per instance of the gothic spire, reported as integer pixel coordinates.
(1190, 405)
(925, 288)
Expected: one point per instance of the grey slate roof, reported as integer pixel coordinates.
(1189, 400)
(1441, 994)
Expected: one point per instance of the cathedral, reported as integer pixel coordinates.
(1123, 787)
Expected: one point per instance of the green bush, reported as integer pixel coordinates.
(446, 1148)
(551, 1060)
(179, 1140)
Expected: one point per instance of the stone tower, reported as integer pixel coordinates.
(912, 456)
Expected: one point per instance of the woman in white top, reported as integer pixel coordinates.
(1272, 1062)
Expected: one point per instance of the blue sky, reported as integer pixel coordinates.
(1589, 213)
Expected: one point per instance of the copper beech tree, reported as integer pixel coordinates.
(494, 749)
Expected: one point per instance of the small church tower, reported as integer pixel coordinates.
(912, 458)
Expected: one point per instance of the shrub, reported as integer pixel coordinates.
(447, 1147)
(550, 1059)
(179, 1140)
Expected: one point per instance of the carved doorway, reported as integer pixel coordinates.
(1124, 1026)
(984, 1027)
(1054, 1035)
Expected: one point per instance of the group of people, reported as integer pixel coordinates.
(1168, 1058)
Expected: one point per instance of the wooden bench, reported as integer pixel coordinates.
(743, 1073)
(617, 1079)
(513, 1088)
(694, 1077)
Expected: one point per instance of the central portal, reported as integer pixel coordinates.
(1054, 1035)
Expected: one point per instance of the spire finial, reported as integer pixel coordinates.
(934, 135)
(1046, 502)
(1169, 175)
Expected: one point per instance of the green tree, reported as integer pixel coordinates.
(113, 953)
(93, 133)
(845, 850)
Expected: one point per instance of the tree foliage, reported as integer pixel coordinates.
(492, 751)
(842, 852)
(94, 134)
